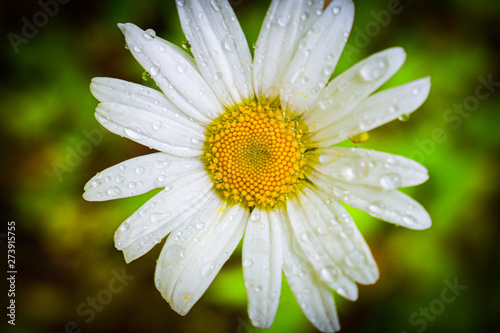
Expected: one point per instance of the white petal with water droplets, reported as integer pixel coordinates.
(150, 129)
(330, 227)
(388, 205)
(262, 263)
(285, 24)
(174, 72)
(219, 47)
(111, 90)
(312, 294)
(328, 237)
(195, 252)
(317, 56)
(368, 167)
(161, 214)
(374, 111)
(139, 175)
(354, 85)
(326, 269)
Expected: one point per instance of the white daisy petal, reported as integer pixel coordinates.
(374, 111)
(317, 56)
(285, 24)
(111, 90)
(388, 205)
(196, 251)
(262, 263)
(139, 175)
(368, 167)
(161, 214)
(325, 266)
(329, 226)
(351, 87)
(174, 72)
(314, 297)
(150, 129)
(219, 47)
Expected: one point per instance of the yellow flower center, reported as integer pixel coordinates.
(254, 154)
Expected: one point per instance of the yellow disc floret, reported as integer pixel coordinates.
(254, 154)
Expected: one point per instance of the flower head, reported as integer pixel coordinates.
(246, 148)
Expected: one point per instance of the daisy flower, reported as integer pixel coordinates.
(246, 147)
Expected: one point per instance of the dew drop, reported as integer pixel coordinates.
(125, 226)
(336, 10)
(390, 181)
(329, 274)
(146, 76)
(137, 48)
(157, 125)
(415, 92)
(229, 44)
(409, 220)
(186, 45)
(404, 118)
(200, 225)
(373, 70)
(119, 179)
(215, 5)
(181, 68)
(284, 20)
(247, 263)
(255, 217)
(126, 47)
(162, 48)
(113, 191)
(139, 170)
(180, 3)
(376, 208)
(155, 70)
(149, 34)
(132, 184)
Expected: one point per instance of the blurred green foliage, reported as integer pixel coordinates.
(65, 251)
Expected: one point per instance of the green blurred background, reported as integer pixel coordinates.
(65, 251)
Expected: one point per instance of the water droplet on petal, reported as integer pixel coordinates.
(329, 274)
(373, 70)
(157, 125)
(229, 44)
(255, 217)
(146, 76)
(409, 220)
(125, 226)
(113, 191)
(140, 170)
(119, 179)
(247, 263)
(404, 117)
(336, 10)
(284, 20)
(186, 45)
(180, 3)
(155, 70)
(181, 68)
(390, 181)
(149, 34)
(215, 5)
(200, 225)
(376, 208)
